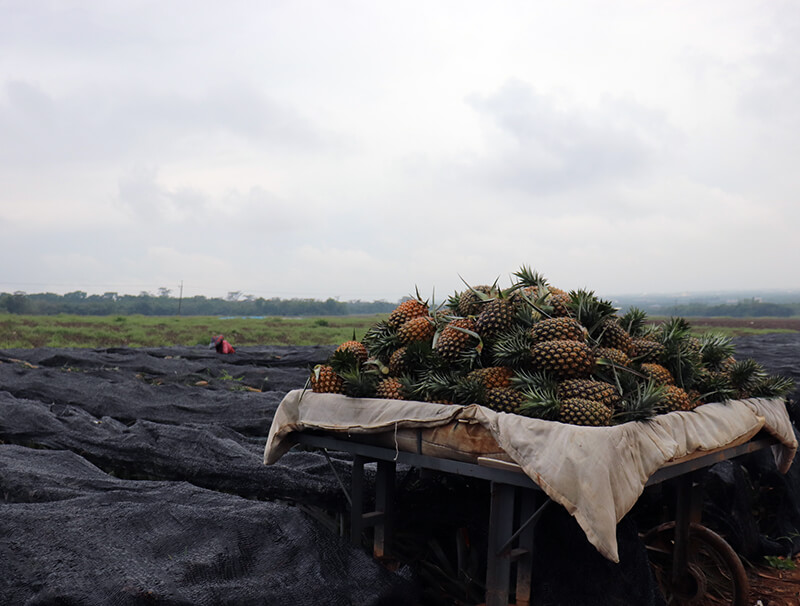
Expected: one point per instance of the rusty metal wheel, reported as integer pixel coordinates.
(714, 573)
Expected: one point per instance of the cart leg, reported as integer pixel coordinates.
(688, 510)
(357, 496)
(501, 522)
(384, 500)
(679, 555)
(525, 560)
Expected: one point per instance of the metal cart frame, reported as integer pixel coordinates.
(509, 487)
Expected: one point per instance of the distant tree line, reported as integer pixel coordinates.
(747, 308)
(235, 304)
(239, 304)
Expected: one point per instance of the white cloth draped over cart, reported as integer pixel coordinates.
(596, 473)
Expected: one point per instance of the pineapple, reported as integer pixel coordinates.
(565, 359)
(543, 402)
(551, 329)
(390, 388)
(497, 314)
(727, 364)
(614, 356)
(676, 398)
(493, 376)
(694, 344)
(713, 386)
(555, 355)
(470, 301)
(589, 389)
(455, 338)
(597, 315)
(398, 364)
(579, 411)
(558, 301)
(411, 308)
(646, 350)
(358, 349)
(658, 374)
(503, 399)
(695, 397)
(469, 389)
(325, 380)
(614, 336)
(419, 328)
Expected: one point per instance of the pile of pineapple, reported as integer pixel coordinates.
(538, 351)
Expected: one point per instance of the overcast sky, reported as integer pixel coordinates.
(359, 149)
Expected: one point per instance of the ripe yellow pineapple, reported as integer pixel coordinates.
(552, 329)
(397, 362)
(469, 301)
(646, 350)
(589, 389)
(419, 328)
(579, 411)
(542, 401)
(559, 302)
(615, 356)
(325, 380)
(455, 338)
(493, 376)
(412, 308)
(357, 348)
(564, 358)
(496, 315)
(676, 398)
(658, 374)
(503, 399)
(614, 336)
(390, 388)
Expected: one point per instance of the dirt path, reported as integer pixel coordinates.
(775, 587)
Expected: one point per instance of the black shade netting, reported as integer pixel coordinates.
(135, 476)
(85, 538)
(176, 386)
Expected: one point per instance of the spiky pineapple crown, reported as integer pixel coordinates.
(381, 340)
(512, 348)
(715, 348)
(527, 277)
(640, 402)
(590, 310)
(679, 357)
(634, 321)
(432, 384)
(540, 401)
(744, 375)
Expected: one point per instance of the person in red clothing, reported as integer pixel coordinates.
(221, 345)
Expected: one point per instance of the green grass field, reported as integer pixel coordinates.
(19, 331)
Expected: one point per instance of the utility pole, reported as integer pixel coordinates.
(180, 298)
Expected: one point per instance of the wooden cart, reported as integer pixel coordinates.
(688, 558)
